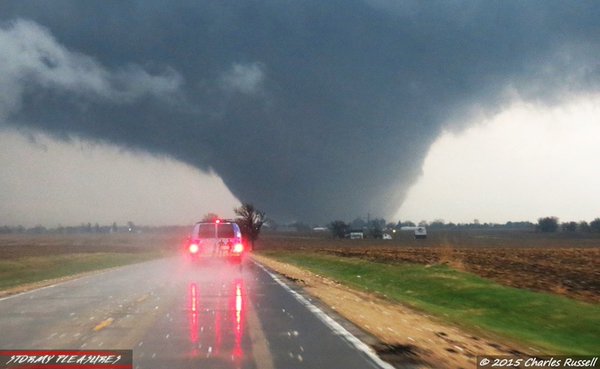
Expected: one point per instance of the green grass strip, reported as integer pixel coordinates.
(557, 324)
(15, 272)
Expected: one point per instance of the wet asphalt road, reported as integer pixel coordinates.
(173, 314)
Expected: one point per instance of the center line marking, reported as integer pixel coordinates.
(103, 324)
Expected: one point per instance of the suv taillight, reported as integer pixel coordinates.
(238, 248)
(193, 248)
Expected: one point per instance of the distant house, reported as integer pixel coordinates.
(320, 229)
(355, 234)
(419, 232)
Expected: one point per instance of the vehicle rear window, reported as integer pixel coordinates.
(208, 231)
(226, 231)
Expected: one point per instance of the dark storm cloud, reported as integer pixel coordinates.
(312, 110)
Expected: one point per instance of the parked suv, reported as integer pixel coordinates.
(220, 239)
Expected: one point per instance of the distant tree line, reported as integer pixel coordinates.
(372, 228)
(376, 227)
(552, 224)
(88, 228)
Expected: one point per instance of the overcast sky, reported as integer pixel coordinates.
(311, 110)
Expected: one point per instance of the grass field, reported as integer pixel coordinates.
(441, 238)
(32, 269)
(554, 323)
(27, 259)
(565, 264)
(532, 288)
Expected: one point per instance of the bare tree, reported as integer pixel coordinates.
(583, 226)
(338, 228)
(595, 225)
(376, 227)
(569, 226)
(210, 217)
(250, 221)
(547, 224)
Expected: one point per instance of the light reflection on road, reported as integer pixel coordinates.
(193, 317)
(239, 331)
(216, 320)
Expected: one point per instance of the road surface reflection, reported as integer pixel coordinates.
(216, 320)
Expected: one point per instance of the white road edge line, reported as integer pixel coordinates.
(30, 291)
(331, 323)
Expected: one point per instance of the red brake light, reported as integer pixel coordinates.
(217, 221)
(238, 248)
(193, 248)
